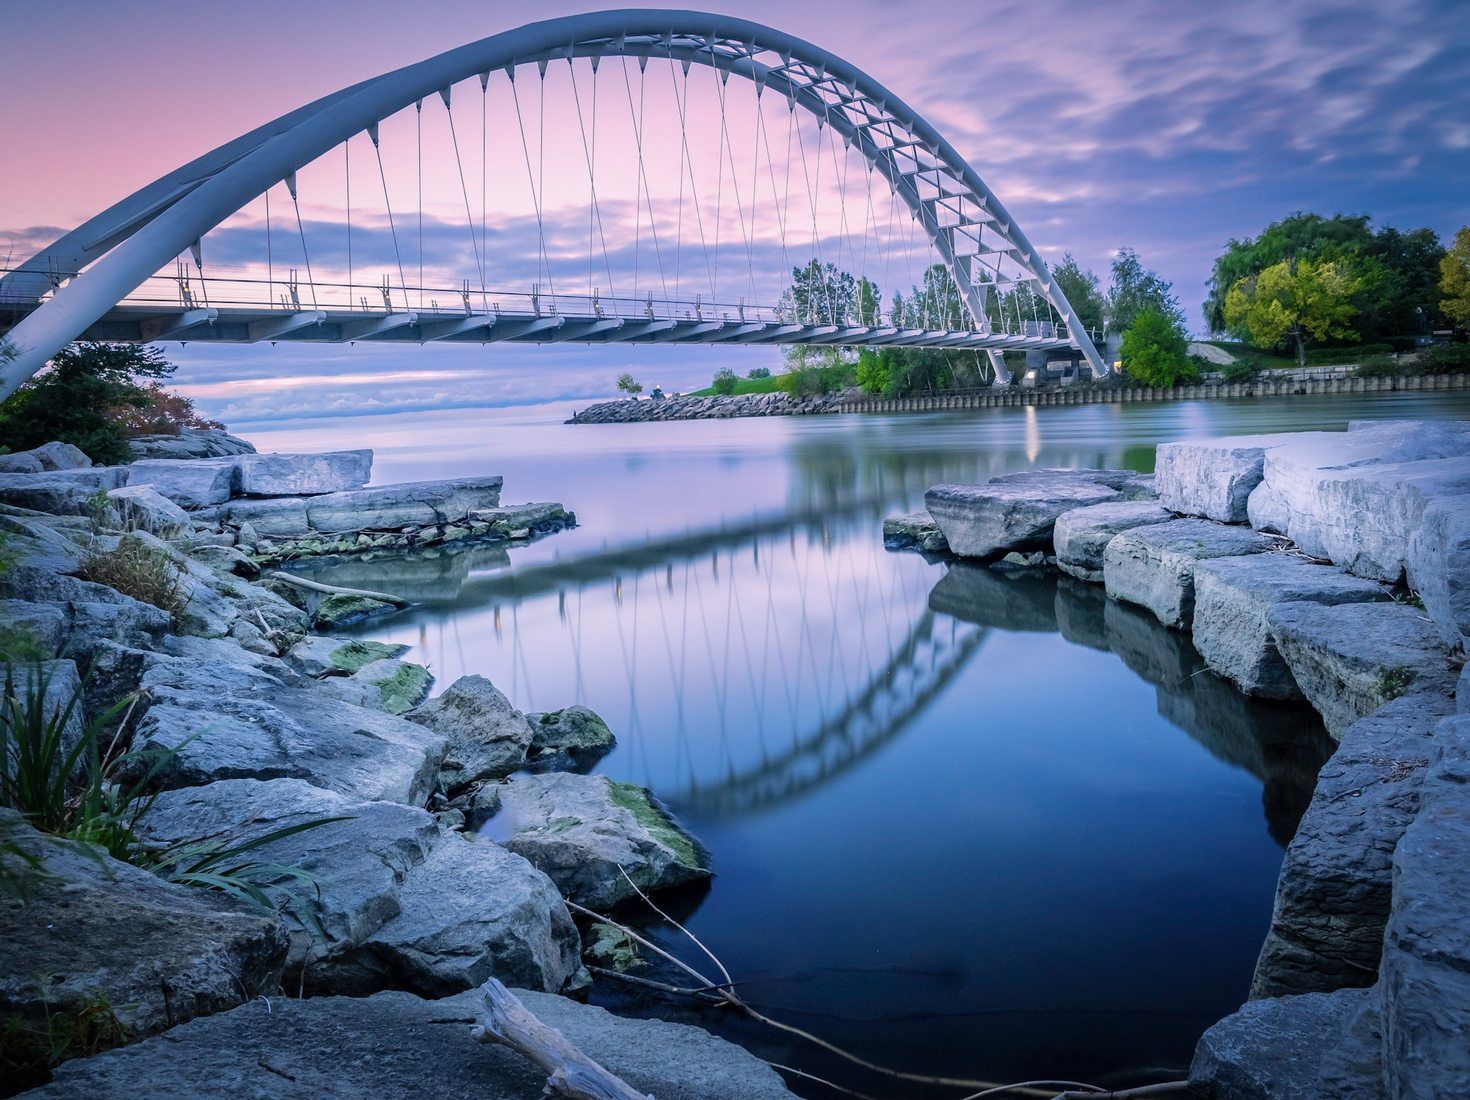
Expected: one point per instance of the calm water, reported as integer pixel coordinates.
(963, 822)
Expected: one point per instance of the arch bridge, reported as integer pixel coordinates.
(695, 199)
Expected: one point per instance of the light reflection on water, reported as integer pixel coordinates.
(963, 821)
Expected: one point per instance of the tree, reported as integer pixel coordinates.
(872, 370)
(1136, 288)
(628, 386)
(94, 396)
(1295, 301)
(1155, 350)
(820, 294)
(1080, 287)
(724, 381)
(758, 372)
(868, 303)
(1454, 280)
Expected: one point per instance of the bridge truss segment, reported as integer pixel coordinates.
(75, 285)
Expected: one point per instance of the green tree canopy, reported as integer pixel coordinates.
(1454, 280)
(1136, 288)
(1296, 301)
(628, 385)
(1155, 349)
(1082, 289)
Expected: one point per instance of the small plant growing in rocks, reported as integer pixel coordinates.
(136, 569)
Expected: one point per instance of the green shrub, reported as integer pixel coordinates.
(724, 381)
(872, 371)
(1378, 366)
(1242, 370)
(1324, 357)
(139, 570)
(1445, 359)
(759, 372)
(1155, 350)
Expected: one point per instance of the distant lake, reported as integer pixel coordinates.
(962, 822)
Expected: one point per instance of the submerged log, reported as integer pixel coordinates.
(334, 590)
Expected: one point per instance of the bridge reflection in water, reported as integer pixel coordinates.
(745, 666)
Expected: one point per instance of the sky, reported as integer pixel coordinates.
(1168, 127)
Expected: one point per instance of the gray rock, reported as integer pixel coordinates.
(1438, 566)
(580, 829)
(915, 530)
(339, 610)
(31, 629)
(1023, 600)
(60, 456)
(1015, 512)
(143, 508)
(1426, 948)
(1319, 1046)
(392, 507)
(226, 720)
(1081, 535)
(57, 686)
(60, 492)
(1140, 487)
(274, 518)
(317, 655)
(400, 685)
(1231, 598)
(1462, 691)
(392, 1043)
(400, 901)
(292, 475)
(189, 482)
(486, 735)
(190, 443)
(571, 739)
(1350, 659)
(515, 517)
(1211, 478)
(1332, 899)
(21, 462)
(158, 953)
(1153, 566)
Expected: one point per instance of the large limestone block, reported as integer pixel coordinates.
(1211, 477)
(587, 831)
(1231, 598)
(189, 482)
(89, 926)
(487, 737)
(413, 504)
(71, 492)
(395, 1044)
(1153, 566)
(1016, 511)
(294, 475)
(274, 518)
(143, 508)
(1332, 899)
(1426, 949)
(1319, 1046)
(48, 456)
(1438, 565)
(401, 902)
(1350, 659)
(190, 443)
(1082, 534)
(230, 720)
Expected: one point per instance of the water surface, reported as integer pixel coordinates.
(963, 822)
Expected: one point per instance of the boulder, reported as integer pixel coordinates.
(1350, 659)
(522, 517)
(1081, 535)
(343, 609)
(29, 629)
(400, 685)
(190, 443)
(1426, 948)
(393, 507)
(59, 456)
(281, 518)
(581, 829)
(21, 462)
(393, 1043)
(1319, 1046)
(157, 953)
(71, 492)
(1153, 566)
(1438, 567)
(294, 475)
(1332, 899)
(914, 531)
(487, 737)
(1016, 511)
(399, 901)
(1140, 487)
(1213, 478)
(57, 687)
(189, 482)
(571, 739)
(143, 508)
(317, 655)
(1231, 599)
(223, 719)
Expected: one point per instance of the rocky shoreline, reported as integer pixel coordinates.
(329, 756)
(1332, 568)
(719, 407)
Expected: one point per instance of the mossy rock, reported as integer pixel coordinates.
(337, 611)
(402, 685)
(351, 656)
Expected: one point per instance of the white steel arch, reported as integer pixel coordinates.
(83, 274)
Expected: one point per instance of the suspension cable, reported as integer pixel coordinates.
(531, 180)
(637, 120)
(683, 105)
(388, 206)
(464, 188)
(347, 171)
(301, 229)
(589, 152)
(419, 132)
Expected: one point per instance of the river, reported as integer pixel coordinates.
(963, 823)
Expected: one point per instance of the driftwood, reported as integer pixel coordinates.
(334, 590)
(570, 1073)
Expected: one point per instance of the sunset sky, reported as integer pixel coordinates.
(1167, 127)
